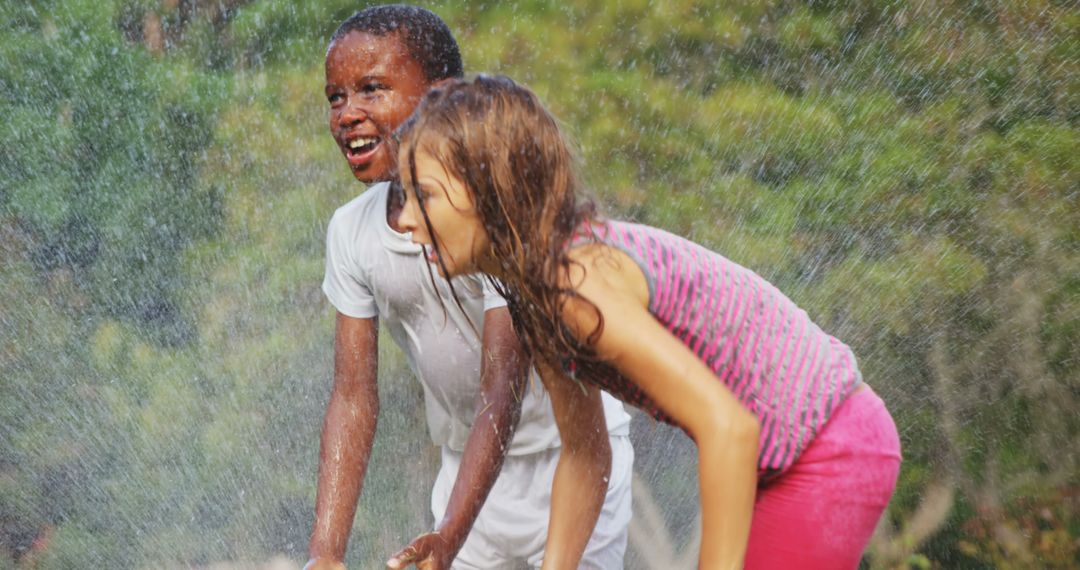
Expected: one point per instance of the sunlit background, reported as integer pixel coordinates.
(908, 172)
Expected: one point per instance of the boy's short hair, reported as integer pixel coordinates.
(425, 35)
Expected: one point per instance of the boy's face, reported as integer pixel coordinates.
(372, 84)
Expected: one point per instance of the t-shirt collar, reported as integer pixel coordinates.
(393, 240)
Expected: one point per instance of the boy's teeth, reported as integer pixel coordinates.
(362, 141)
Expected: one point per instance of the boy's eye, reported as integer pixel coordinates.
(372, 87)
(334, 98)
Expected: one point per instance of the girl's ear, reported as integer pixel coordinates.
(440, 83)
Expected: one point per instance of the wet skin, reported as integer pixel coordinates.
(459, 233)
(372, 85)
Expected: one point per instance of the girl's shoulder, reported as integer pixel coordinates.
(598, 270)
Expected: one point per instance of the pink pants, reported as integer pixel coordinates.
(822, 511)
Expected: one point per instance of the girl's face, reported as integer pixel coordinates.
(458, 231)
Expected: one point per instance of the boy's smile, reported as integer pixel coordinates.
(372, 84)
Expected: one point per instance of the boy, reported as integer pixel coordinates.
(480, 407)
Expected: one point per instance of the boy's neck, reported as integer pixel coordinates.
(394, 205)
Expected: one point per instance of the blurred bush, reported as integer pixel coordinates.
(906, 172)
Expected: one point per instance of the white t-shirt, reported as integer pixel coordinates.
(372, 270)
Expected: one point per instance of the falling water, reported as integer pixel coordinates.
(906, 171)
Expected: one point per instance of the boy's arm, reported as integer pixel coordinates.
(347, 437)
(503, 373)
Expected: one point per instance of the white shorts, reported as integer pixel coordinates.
(511, 528)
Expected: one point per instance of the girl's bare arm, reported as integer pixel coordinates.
(682, 386)
(581, 477)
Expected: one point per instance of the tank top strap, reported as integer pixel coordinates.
(588, 231)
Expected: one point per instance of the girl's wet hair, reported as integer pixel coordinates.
(509, 151)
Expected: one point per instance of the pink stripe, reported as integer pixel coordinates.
(794, 358)
(814, 377)
(664, 279)
(750, 348)
(824, 380)
(729, 293)
(803, 376)
(767, 351)
(681, 285)
(727, 346)
(739, 328)
(650, 258)
(780, 381)
(770, 384)
(707, 310)
(676, 284)
(833, 380)
(693, 322)
(636, 246)
(776, 357)
(842, 375)
(741, 323)
(783, 363)
(779, 419)
(662, 268)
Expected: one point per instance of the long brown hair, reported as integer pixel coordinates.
(509, 151)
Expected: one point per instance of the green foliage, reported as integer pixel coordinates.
(905, 171)
(101, 159)
(279, 32)
(1041, 521)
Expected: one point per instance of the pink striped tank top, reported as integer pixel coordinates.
(779, 364)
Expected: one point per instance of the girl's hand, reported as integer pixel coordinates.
(428, 551)
(323, 564)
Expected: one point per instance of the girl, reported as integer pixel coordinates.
(797, 456)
